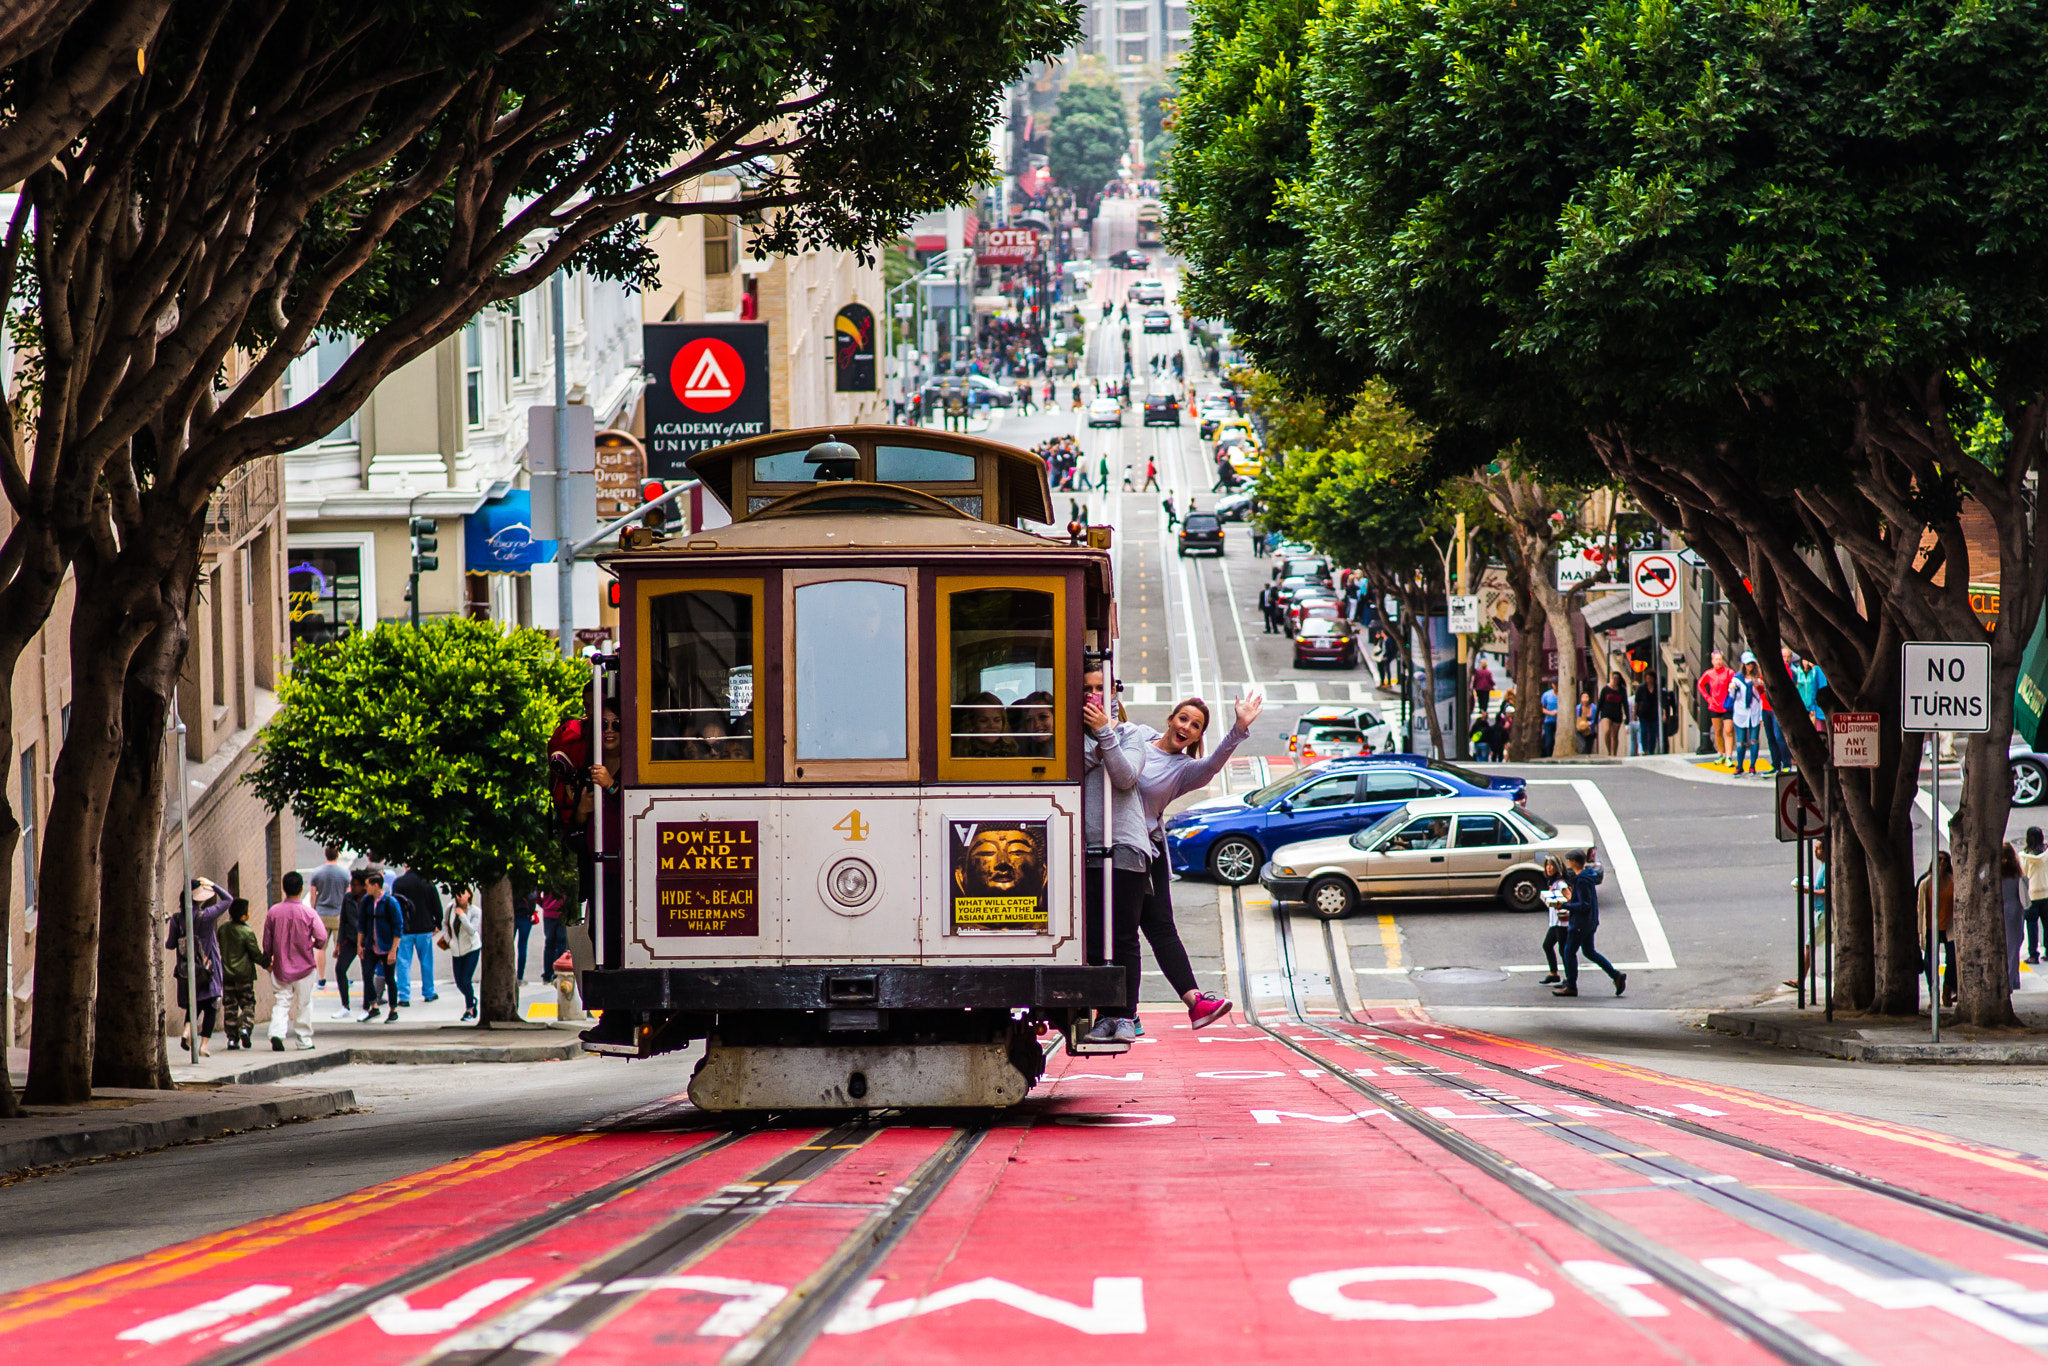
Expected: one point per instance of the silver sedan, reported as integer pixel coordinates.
(1431, 849)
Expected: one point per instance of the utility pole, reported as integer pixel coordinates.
(565, 550)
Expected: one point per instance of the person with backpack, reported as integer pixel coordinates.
(379, 923)
(1582, 916)
(419, 905)
(240, 955)
(346, 939)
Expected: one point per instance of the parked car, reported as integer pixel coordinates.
(1201, 531)
(1130, 260)
(1377, 731)
(1321, 641)
(1294, 586)
(1308, 606)
(1210, 417)
(1161, 411)
(1227, 838)
(1247, 462)
(2029, 774)
(987, 392)
(1105, 412)
(1432, 849)
(1158, 320)
(1330, 742)
(1235, 507)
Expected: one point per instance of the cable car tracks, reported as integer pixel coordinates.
(1824, 1242)
(546, 1325)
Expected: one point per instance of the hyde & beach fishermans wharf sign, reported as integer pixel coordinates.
(707, 878)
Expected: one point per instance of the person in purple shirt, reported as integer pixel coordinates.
(293, 937)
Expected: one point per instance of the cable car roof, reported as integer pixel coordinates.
(1024, 493)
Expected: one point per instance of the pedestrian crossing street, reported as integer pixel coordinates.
(1304, 691)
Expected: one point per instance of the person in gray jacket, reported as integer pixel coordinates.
(1116, 747)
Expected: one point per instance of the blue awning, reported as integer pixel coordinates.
(499, 536)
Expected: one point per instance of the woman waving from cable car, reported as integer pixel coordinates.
(1175, 766)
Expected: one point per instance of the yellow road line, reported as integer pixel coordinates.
(1390, 940)
(55, 1299)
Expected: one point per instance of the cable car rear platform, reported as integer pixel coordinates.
(871, 985)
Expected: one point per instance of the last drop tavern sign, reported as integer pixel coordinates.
(707, 384)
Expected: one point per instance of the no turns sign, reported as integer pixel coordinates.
(1653, 581)
(1945, 685)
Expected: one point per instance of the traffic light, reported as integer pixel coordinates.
(664, 519)
(424, 544)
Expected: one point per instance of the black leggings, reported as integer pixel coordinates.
(1553, 941)
(1156, 920)
(1127, 900)
(344, 958)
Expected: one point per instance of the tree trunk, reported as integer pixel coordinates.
(1525, 737)
(1436, 723)
(10, 841)
(67, 926)
(129, 1025)
(1851, 926)
(498, 992)
(1984, 991)
(1557, 611)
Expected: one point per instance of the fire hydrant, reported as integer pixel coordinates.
(565, 989)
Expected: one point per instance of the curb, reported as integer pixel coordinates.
(133, 1136)
(401, 1055)
(1811, 1039)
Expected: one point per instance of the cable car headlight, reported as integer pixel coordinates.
(851, 885)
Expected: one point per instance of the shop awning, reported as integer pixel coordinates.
(498, 537)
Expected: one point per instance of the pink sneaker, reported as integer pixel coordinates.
(1208, 1009)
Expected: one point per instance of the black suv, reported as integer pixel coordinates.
(1161, 411)
(1201, 531)
(1129, 260)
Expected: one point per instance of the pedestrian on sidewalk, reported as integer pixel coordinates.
(1482, 683)
(330, 888)
(347, 937)
(1944, 927)
(381, 924)
(524, 912)
(1549, 703)
(1649, 735)
(420, 901)
(1613, 711)
(293, 936)
(2034, 859)
(465, 944)
(1582, 720)
(1174, 766)
(2012, 886)
(1266, 593)
(1746, 714)
(210, 905)
(1713, 690)
(554, 939)
(1582, 917)
(240, 956)
(1556, 892)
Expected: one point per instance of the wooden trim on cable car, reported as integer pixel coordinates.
(652, 772)
(1053, 769)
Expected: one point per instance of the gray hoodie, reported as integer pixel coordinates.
(1122, 751)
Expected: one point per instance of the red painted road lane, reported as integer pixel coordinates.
(178, 1303)
(517, 1278)
(1737, 1246)
(1978, 1250)
(1993, 1180)
(721, 1296)
(1146, 1214)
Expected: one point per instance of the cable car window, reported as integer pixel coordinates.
(785, 467)
(700, 702)
(1003, 649)
(852, 697)
(921, 465)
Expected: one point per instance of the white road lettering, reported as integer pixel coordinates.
(291, 1315)
(1615, 1285)
(1118, 1306)
(1508, 1296)
(1276, 1116)
(1700, 1109)
(202, 1316)
(1909, 1292)
(1756, 1288)
(1097, 1076)
(399, 1319)
(1128, 1119)
(1243, 1076)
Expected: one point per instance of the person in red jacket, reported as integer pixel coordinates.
(1713, 687)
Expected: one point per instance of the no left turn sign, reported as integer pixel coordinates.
(1799, 815)
(1653, 581)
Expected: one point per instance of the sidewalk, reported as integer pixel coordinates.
(120, 1121)
(1895, 1039)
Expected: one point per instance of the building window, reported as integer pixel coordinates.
(517, 339)
(1131, 19)
(1134, 51)
(27, 807)
(306, 373)
(718, 252)
(325, 587)
(473, 374)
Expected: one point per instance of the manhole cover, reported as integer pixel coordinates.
(1459, 975)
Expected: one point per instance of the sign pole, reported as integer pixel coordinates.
(1801, 902)
(1827, 806)
(1934, 894)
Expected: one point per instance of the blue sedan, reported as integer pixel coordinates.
(1228, 838)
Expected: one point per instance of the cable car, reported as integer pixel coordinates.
(850, 812)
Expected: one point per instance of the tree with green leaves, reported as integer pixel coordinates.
(1241, 133)
(1778, 270)
(1090, 134)
(283, 169)
(428, 746)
